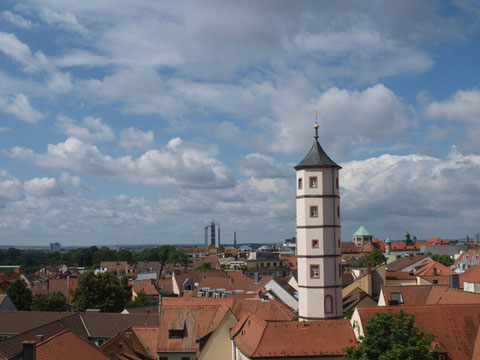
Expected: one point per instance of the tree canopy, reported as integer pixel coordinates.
(102, 291)
(50, 302)
(392, 336)
(375, 258)
(20, 295)
(442, 259)
(142, 299)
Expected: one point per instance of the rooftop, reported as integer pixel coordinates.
(316, 157)
(260, 339)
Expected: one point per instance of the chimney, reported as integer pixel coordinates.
(29, 349)
(369, 268)
(453, 281)
(255, 277)
(40, 338)
(231, 280)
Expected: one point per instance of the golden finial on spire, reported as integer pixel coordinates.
(316, 124)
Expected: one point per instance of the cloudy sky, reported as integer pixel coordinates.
(140, 121)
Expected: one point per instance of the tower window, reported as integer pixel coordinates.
(300, 184)
(313, 211)
(339, 269)
(339, 243)
(315, 271)
(315, 243)
(328, 304)
(336, 181)
(338, 211)
(313, 181)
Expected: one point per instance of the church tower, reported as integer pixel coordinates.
(318, 236)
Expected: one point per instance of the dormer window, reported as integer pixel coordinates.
(313, 181)
(176, 334)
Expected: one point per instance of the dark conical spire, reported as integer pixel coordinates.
(316, 157)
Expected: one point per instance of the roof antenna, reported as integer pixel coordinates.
(316, 125)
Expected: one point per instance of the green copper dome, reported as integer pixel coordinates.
(362, 232)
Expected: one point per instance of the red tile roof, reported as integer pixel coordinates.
(433, 268)
(454, 326)
(259, 339)
(430, 295)
(127, 345)
(197, 321)
(472, 275)
(67, 346)
(469, 254)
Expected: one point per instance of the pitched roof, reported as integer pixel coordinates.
(66, 345)
(472, 275)
(107, 325)
(127, 345)
(361, 231)
(258, 339)
(11, 347)
(354, 297)
(432, 268)
(265, 310)
(405, 261)
(196, 321)
(454, 326)
(315, 158)
(15, 322)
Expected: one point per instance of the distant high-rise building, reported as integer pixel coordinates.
(235, 239)
(477, 237)
(55, 247)
(212, 234)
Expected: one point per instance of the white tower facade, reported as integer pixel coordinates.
(318, 236)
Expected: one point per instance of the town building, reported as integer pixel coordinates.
(318, 235)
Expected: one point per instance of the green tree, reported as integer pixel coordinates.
(177, 257)
(442, 259)
(103, 254)
(392, 336)
(20, 295)
(50, 302)
(53, 258)
(124, 255)
(102, 291)
(375, 258)
(205, 266)
(142, 299)
(126, 289)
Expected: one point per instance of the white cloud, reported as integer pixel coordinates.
(4, 129)
(43, 187)
(425, 195)
(133, 138)
(142, 91)
(176, 164)
(16, 19)
(463, 106)
(64, 19)
(73, 182)
(260, 166)
(20, 52)
(60, 82)
(92, 129)
(19, 106)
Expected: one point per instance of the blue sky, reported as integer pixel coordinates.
(140, 122)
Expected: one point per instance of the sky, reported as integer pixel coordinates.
(138, 122)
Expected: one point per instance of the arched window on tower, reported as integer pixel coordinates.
(328, 304)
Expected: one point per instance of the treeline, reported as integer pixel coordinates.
(103, 291)
(33, 260)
